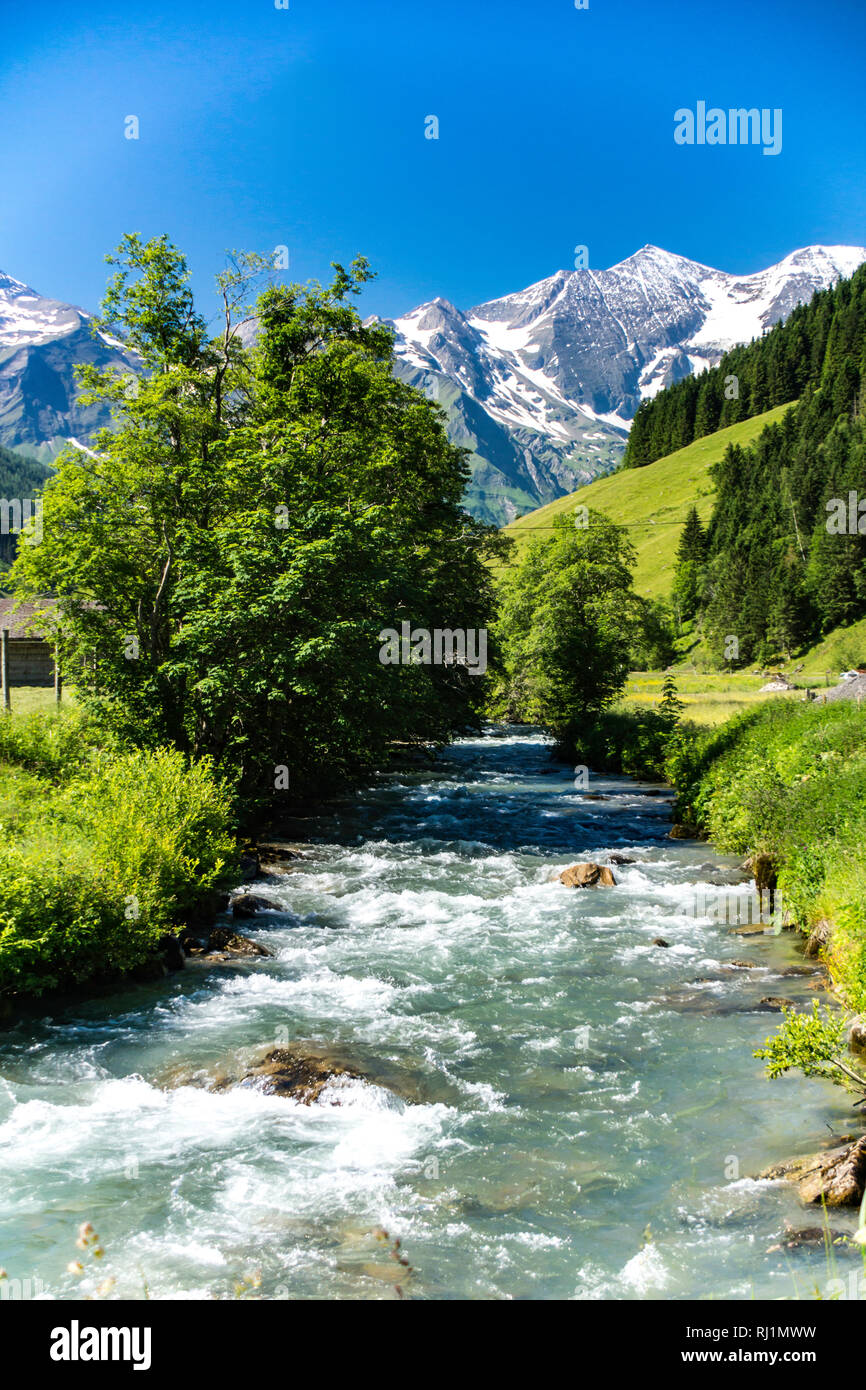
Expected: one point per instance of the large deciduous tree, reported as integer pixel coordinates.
(569, 617)
(271, 497)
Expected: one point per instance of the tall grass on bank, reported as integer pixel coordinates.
(102, 850)
(789, 780)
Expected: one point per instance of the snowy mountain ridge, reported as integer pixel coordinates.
(561, 367)
(540, 385)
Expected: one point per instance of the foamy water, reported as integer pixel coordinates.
(590, 1114)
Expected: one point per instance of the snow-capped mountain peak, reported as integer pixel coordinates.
(560, 367)
(540, 384)
(28, 317)
(41, 341)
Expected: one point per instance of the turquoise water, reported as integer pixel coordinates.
(590, 1110)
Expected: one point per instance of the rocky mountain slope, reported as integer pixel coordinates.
(540, 385)
(41, 340)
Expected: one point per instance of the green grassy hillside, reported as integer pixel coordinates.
(652, 501)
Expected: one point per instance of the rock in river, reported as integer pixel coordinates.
(248, 905)
(836, 1176)
(220, 944)
(587, 876)
(808, 1237)
(302, 1071)
(229, 943)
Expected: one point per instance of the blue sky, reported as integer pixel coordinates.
(305, 127)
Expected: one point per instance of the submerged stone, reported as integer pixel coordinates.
(810, 1236)
(302, 1072)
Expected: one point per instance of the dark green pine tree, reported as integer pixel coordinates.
(671, 706)
(688, 568)
(709, 407)
(693, 539)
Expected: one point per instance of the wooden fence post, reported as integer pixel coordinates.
(4, 668)
(58, 679)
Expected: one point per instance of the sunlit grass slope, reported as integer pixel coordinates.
(652, 501)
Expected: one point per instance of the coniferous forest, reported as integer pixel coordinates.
(822, 344)
(783, 558)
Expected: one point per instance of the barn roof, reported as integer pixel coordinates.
(20, 618)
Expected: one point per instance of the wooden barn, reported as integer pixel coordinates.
(26, 655)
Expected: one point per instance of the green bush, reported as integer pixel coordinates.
(814, 1044)
(61, 924)
(159, 828)
(638, 740)
(634, 741)
(100, 868)
(53, 744)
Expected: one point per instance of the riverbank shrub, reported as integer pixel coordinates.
(634, 741)
(55, 744)
(789, 780)
(814, 1044)
(96, 865)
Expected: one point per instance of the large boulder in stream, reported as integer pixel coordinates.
(299, 1074)
(250, 905)
(588, 876)
(835, 1176)
(303, 1071)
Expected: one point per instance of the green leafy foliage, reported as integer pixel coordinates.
(789, 780)
(225, 560)
(634, 741)
(100, 855)
(653, 643)
(567, 624)
(814, 1044)
(54, 744)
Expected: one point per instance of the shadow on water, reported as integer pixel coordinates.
(486, 795)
